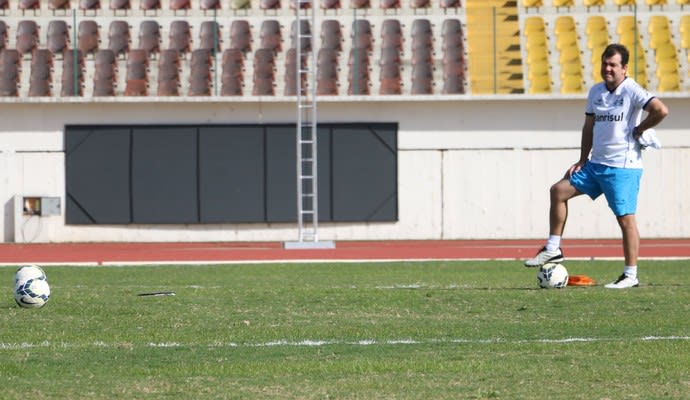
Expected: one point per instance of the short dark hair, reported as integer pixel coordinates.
(614, 49)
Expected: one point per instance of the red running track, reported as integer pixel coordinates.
(220, 252)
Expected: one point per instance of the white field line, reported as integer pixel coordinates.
(323, 343)
(305, 261)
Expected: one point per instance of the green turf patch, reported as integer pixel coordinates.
(441, 330)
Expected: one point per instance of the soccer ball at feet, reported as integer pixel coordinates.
(552, 276)
(31, 289)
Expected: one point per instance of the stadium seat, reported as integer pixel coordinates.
(563, 3)
(305, 32)
(331, 35)
(29, 5)
(180, 36)
(594, 3)
(327, 72)
(447, 4)
(149, 5)
(630, 3)
(56, 5)
(684, 29)
(303, 4)
(88, 37)
(137, 65)
(421, 4)
(240, 35)
(669, 83)
(360, 4)
(72, 74)
(532, 3)
(120, 5)
(149, 36)
(269, 4)
(659, 32)
(422, 79)
(136, 87)
(264, 73)
(105, 74)
(9, 73)
(572, 84)
(330, 4)
(27, 36)
(89, 5)
(168, 73)
(683, 3)
(291, 74)
(389, 71)
(358, 72)
(3, 35)
(200, 73)
(206, 5)
(232, 76)
(240, 5)
(270, 35)
(210, 33)
(652, 3)
(177, 5)
(57, 36)
(362, 37)
(390, 5)
(391, 34)
(119, 37)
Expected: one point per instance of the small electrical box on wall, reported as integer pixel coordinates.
(43, 206)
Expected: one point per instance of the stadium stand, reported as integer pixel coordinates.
(385, 49)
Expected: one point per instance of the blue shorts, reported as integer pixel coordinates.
(620, 186)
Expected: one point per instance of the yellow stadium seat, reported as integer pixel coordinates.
(538, 69)
(626, 23)
(573, 68)
(655, 2)
(569, 55)
(564, 24)
(621, 3)
(669, 83)
(594, 3)
(534, 25)
(536, 42)
(572, 84)
(537, 57)
(683, 3)
(658, 24)
(532, 3)
(685, 40)
(598, 39)
(596, 23)
(563, 3)
(667, 67)
(540, 84)
(666, 52)
(564, 40)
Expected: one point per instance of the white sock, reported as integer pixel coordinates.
(553, 243)
(630, 271)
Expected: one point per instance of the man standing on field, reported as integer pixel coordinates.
(610, 160)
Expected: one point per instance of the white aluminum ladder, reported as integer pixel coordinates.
(306, 141)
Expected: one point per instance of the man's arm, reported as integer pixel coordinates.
(656, 112)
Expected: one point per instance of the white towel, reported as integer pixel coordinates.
(649, 139)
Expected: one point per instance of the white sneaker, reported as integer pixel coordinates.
(623, 282)
(544, 257)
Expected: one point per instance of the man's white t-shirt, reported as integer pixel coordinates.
(616, 113)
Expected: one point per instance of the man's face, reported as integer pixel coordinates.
(612, 71)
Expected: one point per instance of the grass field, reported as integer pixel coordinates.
(431, 330)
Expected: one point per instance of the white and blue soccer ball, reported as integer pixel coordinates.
(552, 276)
(31, 289)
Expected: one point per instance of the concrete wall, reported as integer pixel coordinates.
(468, 168)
